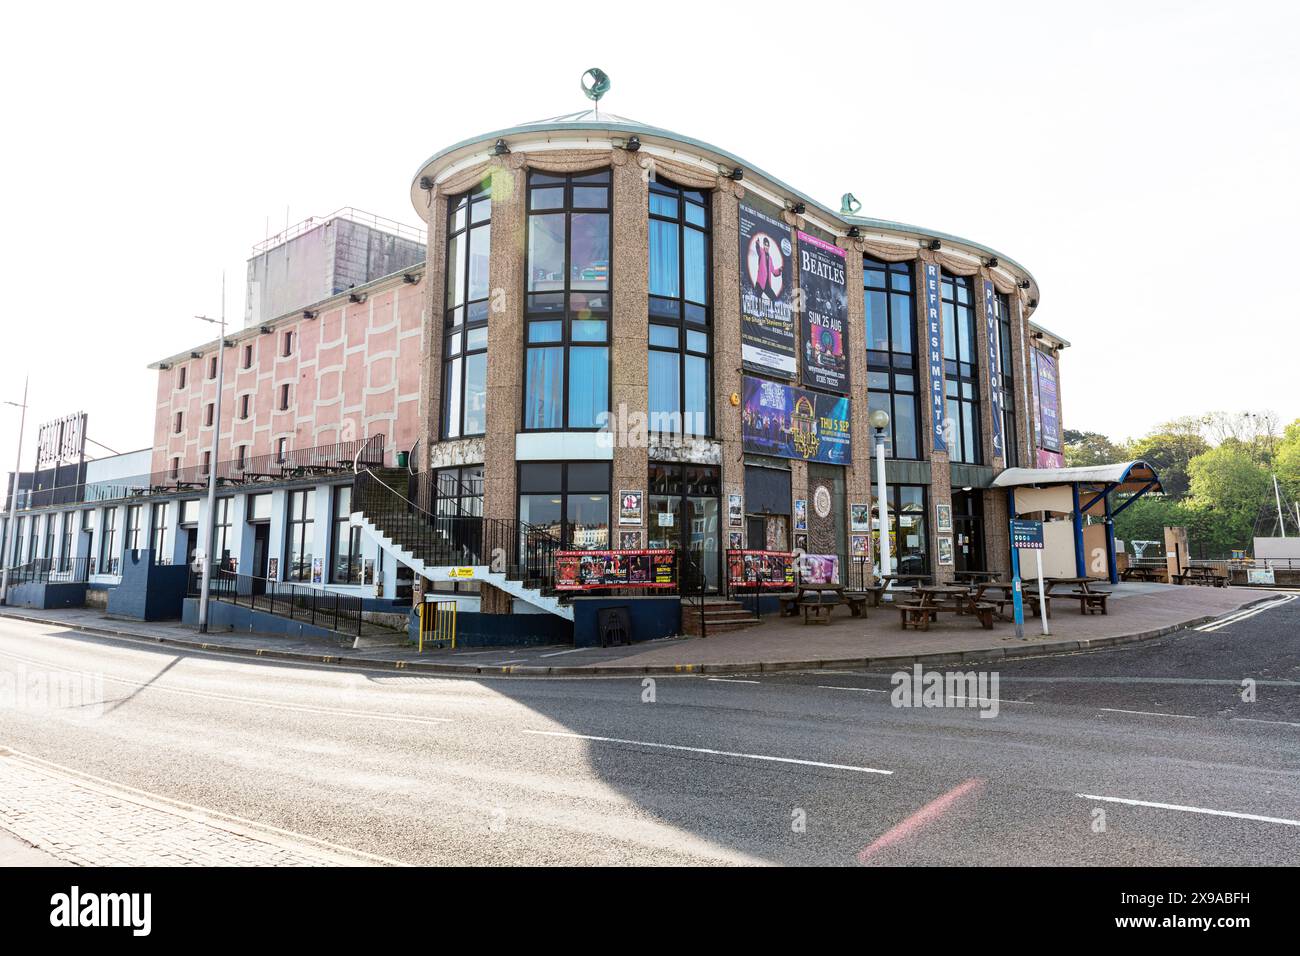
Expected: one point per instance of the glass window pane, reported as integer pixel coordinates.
(661, 205)
(476, 394)
(476, 339)
(695, 266)
(546, 198)
(695, 215)
(587, 516)
(481, 211)
(588, 476)
(589, 268)
(586, 197)
(599, 176)
(455, 270)
(588, 386)
(479, 243)
(697, 341)
(666, 308)
(901, 322)
(543, 388)
(664, 391)
(873, 277)
(696, 420)
(900, 281)
(665, 272)
(541, 511)
(547, 304)
(541, 478)
(587, 330)
(903, 426)
(545, 331)
(664, 336)
(451, 399)
(877, 321)
(545, 253)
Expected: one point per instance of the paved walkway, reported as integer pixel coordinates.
(1137, 611)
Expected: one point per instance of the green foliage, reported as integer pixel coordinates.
(1170, 453)
(1228, 487)
(1090, 448)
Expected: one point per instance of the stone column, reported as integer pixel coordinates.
(858, 477)
(940, 463)
(726, 344)
(629, 390)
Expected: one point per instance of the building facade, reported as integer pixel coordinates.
(623, 338)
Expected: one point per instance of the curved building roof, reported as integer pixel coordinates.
(573, 129)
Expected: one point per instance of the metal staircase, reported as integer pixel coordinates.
(405, 515)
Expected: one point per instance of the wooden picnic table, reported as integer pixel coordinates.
(1089, 599)
(1201, 576)
(976, 577)
(1140, 573)
(936, 598)
(818, 602)
(1006, 596)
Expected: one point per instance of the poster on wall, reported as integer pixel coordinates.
(825, 300)
(588, 570)
(629, 507)
(801, 514)
(735, 511)
(859, 517)
(767, 569)
(1048, 415)
(860, 545)
(317, 570)
(943, 519)
(766, 312)
(992, 327)
(819, 569)
(735, 540)
(934, 353)
(800, 543)
(630, 540)
(273, 569)
(945, 550)
(790, 422)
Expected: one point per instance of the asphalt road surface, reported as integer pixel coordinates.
(1181, 751)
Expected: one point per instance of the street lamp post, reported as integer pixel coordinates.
(210, 531)
(880, 421)
(12, 538)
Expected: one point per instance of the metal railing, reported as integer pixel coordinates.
(516, 549)
(52, 571)
(319, 460)
(298, 602)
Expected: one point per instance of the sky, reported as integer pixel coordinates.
(1139, 158)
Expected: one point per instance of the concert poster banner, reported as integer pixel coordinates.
(768, 569)
(767, 341)
(1048, 416)
(587, 570)
(823, 289)
(790, 422)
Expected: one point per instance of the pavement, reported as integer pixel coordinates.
(1180, 750)
(1138, 611)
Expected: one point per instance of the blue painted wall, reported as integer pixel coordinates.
(46, 596)
(650, 618)
(148, 591)
(243, 620)
(474, 629)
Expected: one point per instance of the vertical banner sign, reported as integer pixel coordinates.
(766, 314)
(1049, 411)
(824, 291)
(995, 367)
(932, 319)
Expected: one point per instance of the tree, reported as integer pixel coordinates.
(1090, 448)
(1228, 489)
(1170, 453)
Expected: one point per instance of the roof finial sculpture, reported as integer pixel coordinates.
(595, 83)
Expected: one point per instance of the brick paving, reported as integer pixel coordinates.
(79, 825)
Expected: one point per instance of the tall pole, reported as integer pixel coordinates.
(1277, 494)
(12, 541)
(210, 532)
(882, 499)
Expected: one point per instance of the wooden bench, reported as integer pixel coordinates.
(918, 616)
(857, 602)
(984, 611)
(789, 605)
(817, 608)
(1089, 601)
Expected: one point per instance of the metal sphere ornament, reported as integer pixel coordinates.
(595, 83)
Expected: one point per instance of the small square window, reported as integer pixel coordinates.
(281, 449)
(288, 344)
(208, 414)
(244, 402)
(212, 367)
(180, 423)
(284, 397)
(180, 376)
(248, 356)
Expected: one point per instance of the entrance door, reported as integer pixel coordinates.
(191, 546)
(968, 531)
(261, 550)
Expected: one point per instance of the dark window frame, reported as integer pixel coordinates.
(894, 363)
(684, 324)
(345, 533)
(299, 514)
(565, 530)
(566, 344)
(1007, 380)
(470, 315)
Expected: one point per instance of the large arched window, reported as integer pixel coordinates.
(961, 371)
(680, 336)
(566, 361)
(465, 337)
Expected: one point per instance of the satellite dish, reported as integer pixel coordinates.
(595, 83)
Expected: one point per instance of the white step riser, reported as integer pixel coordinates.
(496, 579)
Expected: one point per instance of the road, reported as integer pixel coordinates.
(1146, 754)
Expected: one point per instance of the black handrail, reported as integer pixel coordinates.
(692, 584)
(52, 571)
(298, 602)
(294, 463)
(520, 551)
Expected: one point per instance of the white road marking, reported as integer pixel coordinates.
(1175, 806)
(1259, 720)
(706, 750)
(864, 690)
(1147, 713)
(1243, 615)
(732, 680)
(993, 700)
(571, 650)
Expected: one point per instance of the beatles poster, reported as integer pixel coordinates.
(824, 293)
(789, 422)
(766, 313)
(934, 352)
(1047, 418)
(995, 367)
(587, 570)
